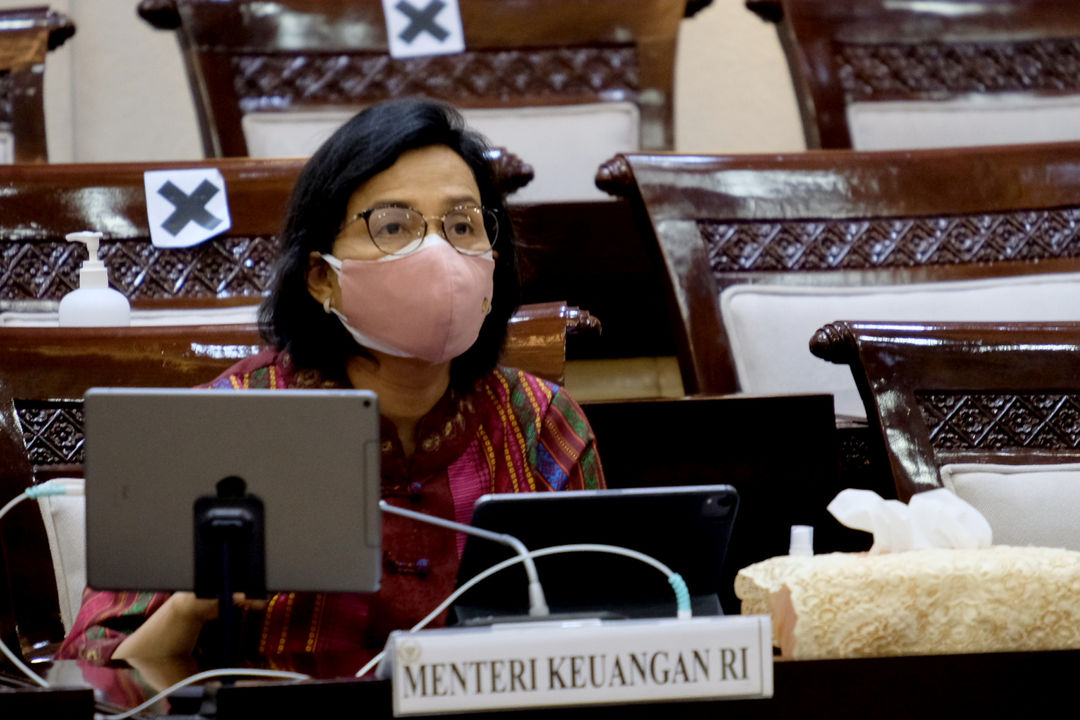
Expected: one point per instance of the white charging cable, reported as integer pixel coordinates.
(59, 487)
(51, 487)
(682, 594)
(537, 602)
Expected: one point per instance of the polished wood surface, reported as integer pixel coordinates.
(26, 36)
(842, 218)
(940, 393)
(993, 685)
(245, 55)
(989, 685)
(845, 51)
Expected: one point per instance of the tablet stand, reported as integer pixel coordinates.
(230, 552)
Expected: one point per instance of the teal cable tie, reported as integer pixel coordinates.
(45, 490)
(682, 593)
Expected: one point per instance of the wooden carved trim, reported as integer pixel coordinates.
(877, 71)
(52, 431)
(61, 28)
(1001, 421)
(223, 268)
(269, 82)
(835, 343)
(615, 177)
(162, 14)
(859, 244)
(511, 172)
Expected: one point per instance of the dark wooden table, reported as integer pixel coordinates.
(1027, 684)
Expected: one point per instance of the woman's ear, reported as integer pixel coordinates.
(319, 282)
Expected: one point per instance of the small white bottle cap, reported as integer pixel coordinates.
(92, 273)
(802, 541)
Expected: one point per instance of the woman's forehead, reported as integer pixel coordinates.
(432, 175)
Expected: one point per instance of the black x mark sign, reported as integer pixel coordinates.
(189, 208)
(422, 20)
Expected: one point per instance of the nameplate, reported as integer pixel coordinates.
(547, 664)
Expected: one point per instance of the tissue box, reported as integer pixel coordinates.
(922, 602)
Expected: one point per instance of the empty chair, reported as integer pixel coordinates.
(565, 83)
(761, 250)
(878, 74)
(989, 410)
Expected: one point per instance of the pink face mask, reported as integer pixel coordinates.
(428, 304)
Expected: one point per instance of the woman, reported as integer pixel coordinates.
(397, 275)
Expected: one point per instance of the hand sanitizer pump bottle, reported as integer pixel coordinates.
(94, 304)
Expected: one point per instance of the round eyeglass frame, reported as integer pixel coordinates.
(489, 218)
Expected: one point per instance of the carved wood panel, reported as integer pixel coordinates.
(270, 82)
(52, 431)
(224, 268)
(874, 71)
(891, 242)
(1001, 421)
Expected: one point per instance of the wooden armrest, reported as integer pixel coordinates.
(536, 337)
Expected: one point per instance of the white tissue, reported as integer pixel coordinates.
(932, 519)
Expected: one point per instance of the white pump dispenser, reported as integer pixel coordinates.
(94, 304)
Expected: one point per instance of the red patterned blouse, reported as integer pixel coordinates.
(513, 433)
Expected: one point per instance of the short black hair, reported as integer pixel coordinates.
(369, 143)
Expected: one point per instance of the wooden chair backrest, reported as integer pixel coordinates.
(842, 52)
(940, 393)
(830, 218)
(310, 54)
(26, 36)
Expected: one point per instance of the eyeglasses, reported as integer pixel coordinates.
(399, 230)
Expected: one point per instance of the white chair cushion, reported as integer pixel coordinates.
(1024, 504)
(769, 326)
(985, 119)
(65, 525)
(564, 144)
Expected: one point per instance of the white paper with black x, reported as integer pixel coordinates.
(415, 28)
(185, 207)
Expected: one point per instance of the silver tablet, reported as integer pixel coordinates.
(310, 456)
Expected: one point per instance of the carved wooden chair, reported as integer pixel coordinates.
(876, 74)
(990, 410)
(274, 80)
(26, 36)
(802, 230)
(963, 392)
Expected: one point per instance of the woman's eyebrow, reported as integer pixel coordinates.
(390, 203)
